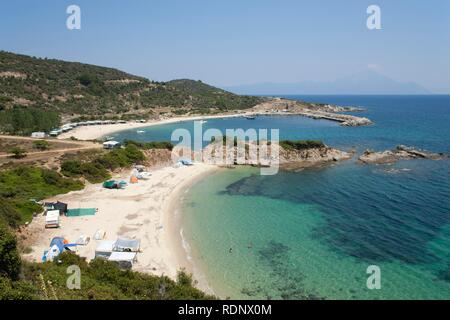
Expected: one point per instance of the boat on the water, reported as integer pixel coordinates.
(250, 117)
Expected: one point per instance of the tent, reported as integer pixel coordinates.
(104, 249)
(99, 234)
(144, 175)
(81, 212)
(52, 219)
(133, 179)
(61, 206)
(125, 260)
(110, 184)
(57, 246)
(83, 240)
(111, 145)
(127, 245)
(185, 162)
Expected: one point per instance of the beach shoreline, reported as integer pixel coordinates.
(144, 211)
(98, 131)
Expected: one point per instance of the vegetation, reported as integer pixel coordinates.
(18, 153)
(98, 169)
(301, 144)
(150, 145)
(23, 121)
(100, 279)
(21, 187)
(36, 92)
(41, 145)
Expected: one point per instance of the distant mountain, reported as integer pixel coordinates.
(365, 82)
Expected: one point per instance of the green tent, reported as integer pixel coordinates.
(110, 184)
(81, 212)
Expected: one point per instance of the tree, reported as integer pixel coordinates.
(9, 256)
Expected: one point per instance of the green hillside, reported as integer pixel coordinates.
(33, 88)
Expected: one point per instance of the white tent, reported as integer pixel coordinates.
(99, 234)
(52, 219)
(127, 245)
(111, 145)
(83, 240)
(104, 249)
(124, 259)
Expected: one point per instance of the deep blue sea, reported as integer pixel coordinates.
(312, 234)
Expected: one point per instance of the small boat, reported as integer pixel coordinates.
(140, 131)
(250, 117)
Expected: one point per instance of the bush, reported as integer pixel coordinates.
(41, 145)
(150, 145)
(18, 153)
(9, 256)
(301, 144)
(9, 214)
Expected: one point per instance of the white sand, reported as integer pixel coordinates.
(98, 131)
(142, 211)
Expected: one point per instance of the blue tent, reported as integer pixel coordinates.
(57, 242)
(186, 162)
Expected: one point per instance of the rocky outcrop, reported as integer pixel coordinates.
(273, 154)
(311, 110)
(401, 152)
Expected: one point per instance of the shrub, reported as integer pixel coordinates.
(9, 256)
(41, 145)
(301, 144)
(150, 145)
(18, 153)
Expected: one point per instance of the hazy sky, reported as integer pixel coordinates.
(232, 42)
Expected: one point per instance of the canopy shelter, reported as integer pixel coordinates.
(81, 212)
(104, 249)
(111, 145)
(125, 260)
(61, 206)
(127, 245)
(52, 219)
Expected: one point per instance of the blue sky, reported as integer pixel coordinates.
(233, 42)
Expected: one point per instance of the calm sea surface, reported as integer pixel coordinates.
(312, 234)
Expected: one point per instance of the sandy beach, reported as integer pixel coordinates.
(142, 211)
(98, 131)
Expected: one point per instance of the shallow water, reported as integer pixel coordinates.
(312, 234)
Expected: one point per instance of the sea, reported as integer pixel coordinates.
(343, 231)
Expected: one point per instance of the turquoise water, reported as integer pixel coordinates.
(312, 234)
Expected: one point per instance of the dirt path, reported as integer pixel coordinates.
(58, 147)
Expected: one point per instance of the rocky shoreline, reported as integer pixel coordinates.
(401, 152)
(286, 158)
(312, 110)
